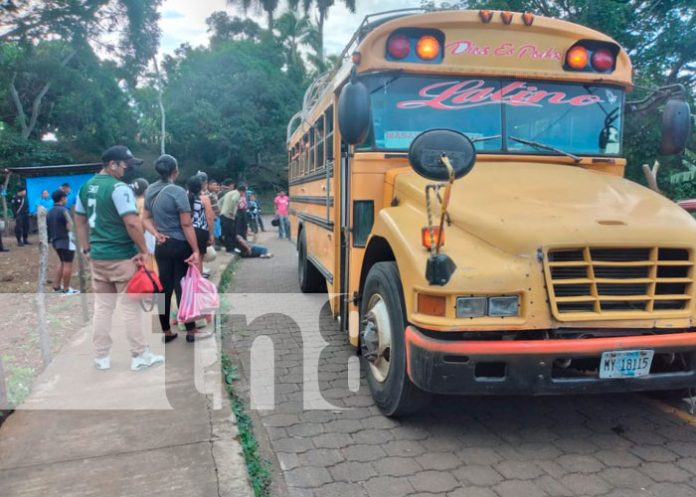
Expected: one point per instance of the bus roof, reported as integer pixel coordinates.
(492, 48)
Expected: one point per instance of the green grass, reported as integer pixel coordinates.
(259, 469)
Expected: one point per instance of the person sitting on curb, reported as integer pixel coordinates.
(250, 250)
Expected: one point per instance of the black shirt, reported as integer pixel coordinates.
(57, 224)
(20, 207)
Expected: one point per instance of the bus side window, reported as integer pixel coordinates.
(329, 136)
(320, 143)
(304, 161)
(312, 150)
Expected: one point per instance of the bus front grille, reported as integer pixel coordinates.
(586, 283)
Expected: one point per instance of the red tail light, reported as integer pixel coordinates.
(602, 60)
(399, 46)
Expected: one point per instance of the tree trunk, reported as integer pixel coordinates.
(44, 339)
(28, 128)
(270, 21)
(651, 176)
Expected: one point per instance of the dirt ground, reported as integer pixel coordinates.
(19, 343)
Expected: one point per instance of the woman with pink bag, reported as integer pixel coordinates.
(168, 217)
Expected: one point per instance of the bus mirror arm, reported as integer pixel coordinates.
(676, 117)
(655, 98)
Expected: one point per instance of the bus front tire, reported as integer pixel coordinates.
(308, 276)
(382, 309)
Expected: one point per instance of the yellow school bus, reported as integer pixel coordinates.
(457, 188)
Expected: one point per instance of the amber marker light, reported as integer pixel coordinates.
(433, 305)
(425, 237)
(486, 16)
(576, 58)
(528, 18)
(428, 47)
(506, 17)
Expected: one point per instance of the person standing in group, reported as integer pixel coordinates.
(213, 194)
(45, 201)
(168, 217)
(139, 185)
(241, 226)
(228, 212)
(60, 225)
(227, 186)
(209, 211)
(70, 201)
(20, 209)
(201, 215)
(282, 204)
(111, 233)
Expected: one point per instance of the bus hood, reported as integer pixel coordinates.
(520, 207)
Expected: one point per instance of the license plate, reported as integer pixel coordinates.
(625, 363)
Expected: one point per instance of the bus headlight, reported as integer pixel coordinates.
(471, 307)
(503, 306)
(476, 307)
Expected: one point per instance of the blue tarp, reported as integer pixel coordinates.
(51, 183)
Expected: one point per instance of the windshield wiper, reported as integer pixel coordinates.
(545, 147)
(484, 138)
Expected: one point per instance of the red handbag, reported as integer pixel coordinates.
(144, 285)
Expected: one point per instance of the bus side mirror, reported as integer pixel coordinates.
(354, 113)
(676, 127)
(428, 147)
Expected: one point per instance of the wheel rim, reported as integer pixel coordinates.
(378, 313)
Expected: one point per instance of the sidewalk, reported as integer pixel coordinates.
(84, 432)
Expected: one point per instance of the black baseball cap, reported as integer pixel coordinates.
(120, 153)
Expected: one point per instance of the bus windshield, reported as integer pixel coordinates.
(500, 115)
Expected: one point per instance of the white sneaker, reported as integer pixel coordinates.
(145, 360)
(71, 291)
(102, 363)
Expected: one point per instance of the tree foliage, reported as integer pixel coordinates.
(228, 106)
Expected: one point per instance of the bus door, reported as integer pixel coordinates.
(344, 207)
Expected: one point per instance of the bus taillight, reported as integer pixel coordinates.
(399, 46)
(602, 60)
(591, 56)
(428, 47)
(415, 45)
(577, 57)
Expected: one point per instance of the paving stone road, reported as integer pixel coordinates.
(613, 445)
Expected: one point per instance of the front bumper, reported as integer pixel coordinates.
(530, 367)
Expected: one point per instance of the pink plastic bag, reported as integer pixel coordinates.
(199, 296)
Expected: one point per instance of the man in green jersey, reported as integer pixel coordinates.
(110, 231)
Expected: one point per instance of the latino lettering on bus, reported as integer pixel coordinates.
(453, 95)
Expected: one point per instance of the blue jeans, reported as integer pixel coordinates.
(284, 227)
(258, 251)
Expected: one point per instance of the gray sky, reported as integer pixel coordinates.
(184, 21)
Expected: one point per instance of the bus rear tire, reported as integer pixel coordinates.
(308, 276)
(382, 309)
